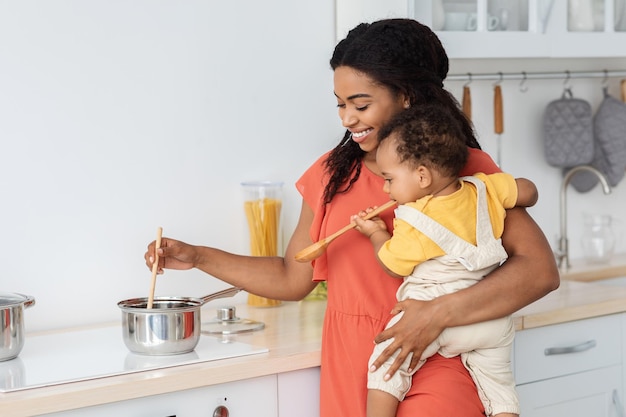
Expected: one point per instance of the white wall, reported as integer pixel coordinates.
(117, 117)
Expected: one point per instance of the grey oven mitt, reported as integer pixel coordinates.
(609, 126)
(567, 131)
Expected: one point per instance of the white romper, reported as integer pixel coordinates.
(485, 347)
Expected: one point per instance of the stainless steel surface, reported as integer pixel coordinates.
(170, 327)
(562, 254)
(12, 336)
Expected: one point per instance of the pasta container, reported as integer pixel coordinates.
(263, 209)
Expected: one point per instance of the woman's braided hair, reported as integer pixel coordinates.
(407, 58)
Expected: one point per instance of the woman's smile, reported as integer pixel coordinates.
(359, 137)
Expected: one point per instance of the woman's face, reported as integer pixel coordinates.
(364, 106)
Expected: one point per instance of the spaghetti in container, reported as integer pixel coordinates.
(262, 206)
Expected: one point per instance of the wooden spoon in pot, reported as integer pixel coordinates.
(155, 267)
(317, 249)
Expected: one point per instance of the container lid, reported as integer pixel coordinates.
(8, 299)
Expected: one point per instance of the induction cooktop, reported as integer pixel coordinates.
(57, 358)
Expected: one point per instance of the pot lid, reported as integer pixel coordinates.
(227, 323)
(10, 299)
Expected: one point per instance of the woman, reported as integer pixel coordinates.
(380, 69)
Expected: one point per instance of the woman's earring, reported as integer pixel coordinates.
(407, 105)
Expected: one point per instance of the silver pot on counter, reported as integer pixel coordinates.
(12, 336)
(172, 326)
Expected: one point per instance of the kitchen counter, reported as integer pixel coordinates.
(292, 335)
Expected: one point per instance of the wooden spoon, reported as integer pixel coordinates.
(498, 120)
(155, 267)
(317, 249)
(467, 102)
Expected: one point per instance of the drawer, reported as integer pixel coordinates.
(568, 348)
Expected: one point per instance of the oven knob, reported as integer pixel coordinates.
(221, 411)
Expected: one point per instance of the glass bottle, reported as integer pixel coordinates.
(262, 206)
(598, 240)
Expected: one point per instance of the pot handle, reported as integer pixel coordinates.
(29, 302)
(228, 292)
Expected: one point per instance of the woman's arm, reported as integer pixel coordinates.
(272, 277)
(529, 273)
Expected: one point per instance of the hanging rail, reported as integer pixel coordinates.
(523, 75)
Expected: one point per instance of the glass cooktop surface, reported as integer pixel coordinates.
(57, 358)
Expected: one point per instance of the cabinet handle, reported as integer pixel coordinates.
(618, 404)
(589, 344)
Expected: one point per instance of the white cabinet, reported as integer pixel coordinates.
(506, 28)
(287, 394)
(571, 369)
(591, 393)
(299, 393)
(251, 397)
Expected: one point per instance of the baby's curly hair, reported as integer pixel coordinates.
(428, 135)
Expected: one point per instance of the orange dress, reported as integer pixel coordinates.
(360, 298)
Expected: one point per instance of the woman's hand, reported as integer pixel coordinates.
(173, 254)
(411, 334)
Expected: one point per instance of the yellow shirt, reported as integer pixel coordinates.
(408, 247)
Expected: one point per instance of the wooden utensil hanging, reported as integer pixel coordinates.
(467, 102)
(155, 268)
(498, 120)
(623, 88)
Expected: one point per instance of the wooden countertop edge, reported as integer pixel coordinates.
(564, 315)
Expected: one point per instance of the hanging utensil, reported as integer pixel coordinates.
(155, 267)
(467, 98)
(317, 249)
(623, 88)
(498, 121)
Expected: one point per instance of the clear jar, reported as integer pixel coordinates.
(598, 240)
(262, 206)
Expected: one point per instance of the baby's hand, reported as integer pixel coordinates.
(368, 227)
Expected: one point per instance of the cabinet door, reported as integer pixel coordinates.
(593, 393)
(299, 393)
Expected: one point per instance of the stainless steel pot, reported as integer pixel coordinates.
(170, 327)
(12, 307)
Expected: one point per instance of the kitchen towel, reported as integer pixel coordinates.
(568, 132)
(609, 131)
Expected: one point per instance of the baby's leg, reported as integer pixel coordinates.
(385, 393)
(490, 365)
